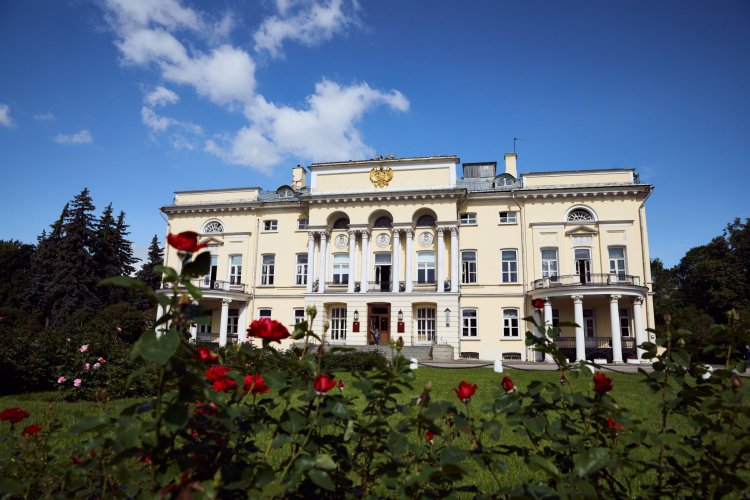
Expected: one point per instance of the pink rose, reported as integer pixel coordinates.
(86, 366)
(60, 380)
(77, 382)
(84, 348)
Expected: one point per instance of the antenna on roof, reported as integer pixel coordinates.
(514, 143)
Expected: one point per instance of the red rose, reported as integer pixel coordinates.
(224, 384)
(537, 303)
(507, 384)
(31, 430)
(602, 384)
(340, 385)
(206, 408)
(465, 391)
(13, 415)
(267, 329)
(256, 384)
(207, 355)
(76, 459)
(323, 384)
(217, 372)
(611, 424)
(186, 241)
(429, 436)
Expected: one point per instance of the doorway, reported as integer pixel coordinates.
(378, 324)
(583, 264)
(383, 271)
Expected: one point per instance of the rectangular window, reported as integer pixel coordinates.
(425, 267)
(617, 262)
(468, 322)
(233, 321)
(338, 324)
(549, 263)
(268, 269)
(507, 217)
(210, 278)
(555, 317)
(589, 325)
(468, 266)
(299, 316)
(469, 218)
(264, 313)
(300, 272)
(510, 323)
(270, 225)
(509, 266)
(235, 269)
(624, 323)
(302, 223)
(426, 325)
(340, 269)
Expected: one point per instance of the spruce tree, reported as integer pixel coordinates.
(105, 254)
(44, 267)
(155, 258)
(125, 260)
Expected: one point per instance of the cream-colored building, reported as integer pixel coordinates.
(403, 247)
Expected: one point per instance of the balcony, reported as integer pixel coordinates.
(594, 342)
(218, 285)
(589, 279)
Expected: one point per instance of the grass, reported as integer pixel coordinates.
(628, 390)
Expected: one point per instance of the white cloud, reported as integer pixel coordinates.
(168, 13)
(44, 117)
(161, 96)
(5, 119)
(81, 137)
(314, 24)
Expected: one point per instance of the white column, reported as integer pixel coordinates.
(640, 332)
(614, 319)
(396, 260)
(354, 274)
(242, 324)
(440, 260)
(161, 328)
(310, 261)
(323, 264)
(194, 327)
(352, 263)
(455, 278)
(223, 322)
(409, 260)
(365, 263)
(547, 323)
(578, 318)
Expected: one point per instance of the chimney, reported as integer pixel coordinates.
(299, 178)
(510, 164)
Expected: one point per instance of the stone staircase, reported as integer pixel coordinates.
(422, 353)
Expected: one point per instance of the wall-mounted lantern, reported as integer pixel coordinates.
(355, 323)
(447, 316)
(400, 326)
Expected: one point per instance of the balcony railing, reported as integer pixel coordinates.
(589, 279)
(207, 284)
(213, 338)
(594, 342)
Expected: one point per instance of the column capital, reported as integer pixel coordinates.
(614, 298)
(226, 301)
(440, 232)
(365, 234)
(323, 235)
(454, 231)
(409, 232)
(637, 301)
(547, 301)
(311, 235)
(577, 299)
(352, 233)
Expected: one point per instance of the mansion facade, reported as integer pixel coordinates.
(403, 247)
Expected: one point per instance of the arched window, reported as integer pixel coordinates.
(505, 181)
(341, 223)
(425, 220)
(383, 221)
(580, 214)
(284, 192)
(213, 226)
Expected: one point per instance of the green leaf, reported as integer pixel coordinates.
(589, 461)
(452, 455)
(157, 349)
(176, 415)
(325, 462)
(168, 272)
(193, 290)
(322, 479)
(545, 465)
(197, 267)
(89, 424)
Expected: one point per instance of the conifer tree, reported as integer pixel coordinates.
(43, 267)
(125, 260)
(146, 273)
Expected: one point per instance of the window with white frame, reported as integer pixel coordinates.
(549, 263)
(617, 262)
(507, 217)
(509, 266)
(589, 323)
(270, 225)
(469, 266)
(264, 312)
(340, 269)
(268, 269)
(213, 226)
(338, 324)
(233, 321)
(425, 267)
(426, 324)
(510, 323)
(580, 215)
(300, 272)
(468, 323)
(302, 223)
(624, 323)
(299, 315)
(468, 219)
(235, 269)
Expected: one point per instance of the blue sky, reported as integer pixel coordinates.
(136, 99)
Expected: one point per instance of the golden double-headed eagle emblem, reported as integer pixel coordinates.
(381, 176)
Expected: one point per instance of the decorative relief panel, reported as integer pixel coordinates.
(341, 241)
(582, 240)
(382, 240)
(425, 239)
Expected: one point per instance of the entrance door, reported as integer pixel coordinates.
(378, 324)
(383, 278)
(583, 264)
(210, 278)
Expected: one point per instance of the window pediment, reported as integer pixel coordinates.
(581, 231)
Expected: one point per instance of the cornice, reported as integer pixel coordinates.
(358, 197)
